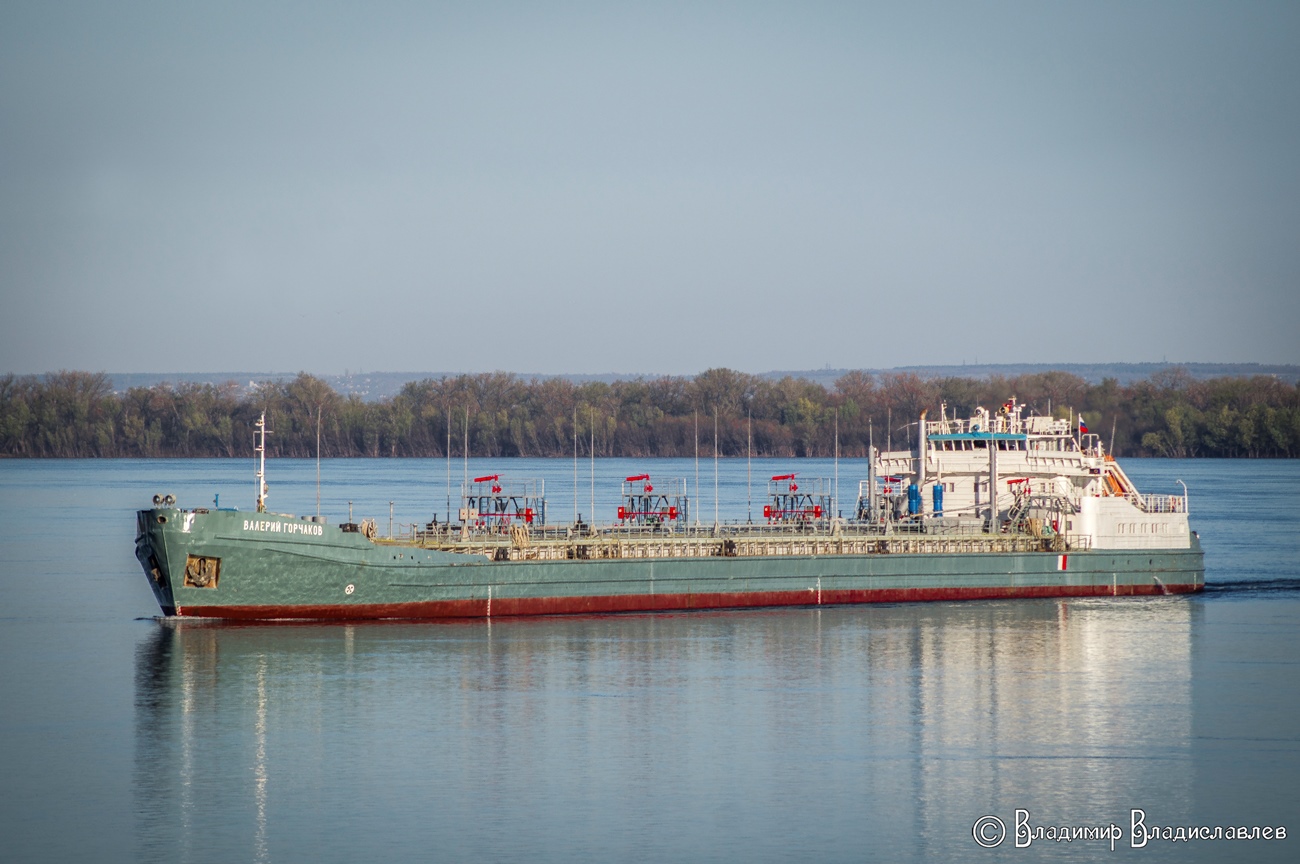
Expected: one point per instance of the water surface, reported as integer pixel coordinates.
(836, 734)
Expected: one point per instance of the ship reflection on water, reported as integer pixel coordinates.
(771, 735)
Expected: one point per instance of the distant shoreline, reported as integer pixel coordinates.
(732, 458)
(1174, 414)
(373, 386)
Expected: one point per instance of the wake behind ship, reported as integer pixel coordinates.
(996, 505)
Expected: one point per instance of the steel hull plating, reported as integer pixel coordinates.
(279, 569)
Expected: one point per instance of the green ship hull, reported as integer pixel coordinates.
(237, 565)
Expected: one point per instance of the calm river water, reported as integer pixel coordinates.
(840, 734)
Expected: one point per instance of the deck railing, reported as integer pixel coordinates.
(1159, 503)
(450, 537)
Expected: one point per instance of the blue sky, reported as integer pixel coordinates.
(605, 187)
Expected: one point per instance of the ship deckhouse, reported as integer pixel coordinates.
(1003, 469)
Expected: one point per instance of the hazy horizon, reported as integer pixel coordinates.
(597, 187)
(1129, 367)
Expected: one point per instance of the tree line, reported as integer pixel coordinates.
(77, 414)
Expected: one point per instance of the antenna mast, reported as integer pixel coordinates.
(591, 415)
(448, 464)
(575, 465)
(749, 468)
(259, 447)
(318, 410)
(836, 500)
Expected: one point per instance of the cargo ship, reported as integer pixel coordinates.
(997, 504)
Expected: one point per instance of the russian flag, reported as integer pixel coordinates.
(1083, 427)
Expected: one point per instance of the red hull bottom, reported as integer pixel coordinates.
(503, 607)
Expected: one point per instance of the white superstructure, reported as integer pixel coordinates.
(1004, 471)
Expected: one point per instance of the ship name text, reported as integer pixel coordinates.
(283, 527)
